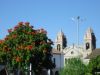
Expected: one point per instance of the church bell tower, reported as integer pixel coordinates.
(61, 41)
(90, 40)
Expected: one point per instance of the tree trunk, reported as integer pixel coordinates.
(18, 72)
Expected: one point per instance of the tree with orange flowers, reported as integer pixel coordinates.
(24, 45)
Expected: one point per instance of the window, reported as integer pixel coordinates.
(72, 52)
(58, 47)
(87, 46)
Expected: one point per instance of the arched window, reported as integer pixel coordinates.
(58, 47)
(87, 46)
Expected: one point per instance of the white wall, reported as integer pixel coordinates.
(59, 60)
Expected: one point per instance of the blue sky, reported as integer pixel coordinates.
(52, 15)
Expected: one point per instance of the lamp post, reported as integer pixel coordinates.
(77, 20)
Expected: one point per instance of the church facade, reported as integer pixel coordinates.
(62, 52)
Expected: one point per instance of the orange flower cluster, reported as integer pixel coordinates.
(42, 31)
(20, 24)
(21, 47)
(33, 33)
(1, 41)
(30, 33)
(9, 30)
(14, 36)
(15, 28)
(11, 37)
(27, 24)
(6, 48)
(18, 59)
(29, 47)
(6, 38)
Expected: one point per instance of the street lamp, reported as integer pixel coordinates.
(77, 20)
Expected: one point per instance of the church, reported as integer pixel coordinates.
(62, 52)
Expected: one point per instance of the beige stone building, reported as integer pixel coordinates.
(62, 52)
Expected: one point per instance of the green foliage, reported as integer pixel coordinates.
(23, 45)
(94, 65)
(74, 66)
